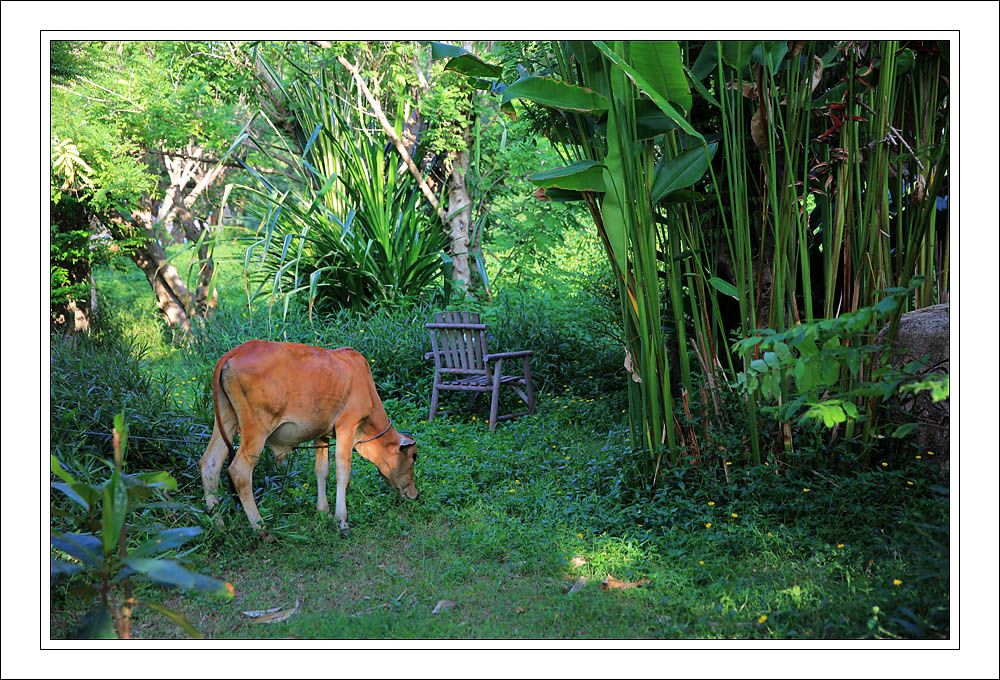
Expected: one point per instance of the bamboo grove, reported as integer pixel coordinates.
(743, 190)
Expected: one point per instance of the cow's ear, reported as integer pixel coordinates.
(406, 441)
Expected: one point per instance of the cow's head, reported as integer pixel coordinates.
(394, 457)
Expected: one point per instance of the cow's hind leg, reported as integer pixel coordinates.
(345, 444)
(211, 467)
(241, 472)
(322, 473)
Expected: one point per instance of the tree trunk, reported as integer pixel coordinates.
(206, 266)
(172, 296)
(459, 211)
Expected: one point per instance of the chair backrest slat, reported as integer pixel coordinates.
(460, 349)
(451, 343)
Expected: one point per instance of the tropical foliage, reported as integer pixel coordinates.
(350, 229)
(623, 113)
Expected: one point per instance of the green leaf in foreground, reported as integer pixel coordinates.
(165, 540)
(84, 547)
(96, 625)
(178, 619)
(171, 573)
(115, 507)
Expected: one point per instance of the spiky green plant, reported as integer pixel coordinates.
(353, 230)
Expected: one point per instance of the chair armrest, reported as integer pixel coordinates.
(508, 355)
(429, 355)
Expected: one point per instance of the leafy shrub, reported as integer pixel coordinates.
(98, 546)
(832, 372)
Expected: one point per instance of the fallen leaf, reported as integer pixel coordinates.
(260, 612)
(278, 616)
(519, 610)
(578, 561)
(580, 583)
(611, 583)
(444, 604)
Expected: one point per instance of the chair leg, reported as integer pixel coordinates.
(434, 402)
(495, 396)
(528, 387)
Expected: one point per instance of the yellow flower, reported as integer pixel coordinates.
(884, 464)
(805, 490)
(930, 453)
(711, 502)
(918, 457)
(896, 582)
(701, 561)
(728, 463)
(762, 618)
(909, 482)
(840, 545)
(735, 515)
(579, 535)
(708, 525)
(511, 490)
(768, 533)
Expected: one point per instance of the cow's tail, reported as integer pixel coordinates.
(218, 392)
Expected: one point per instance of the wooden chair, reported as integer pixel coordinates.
(458, 347)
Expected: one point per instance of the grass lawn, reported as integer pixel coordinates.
(507, 523)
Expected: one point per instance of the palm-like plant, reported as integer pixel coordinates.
(353, 229)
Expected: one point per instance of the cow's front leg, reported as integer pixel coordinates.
(322, 473)
(345, 444)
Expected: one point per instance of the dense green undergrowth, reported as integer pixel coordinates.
(507, 522)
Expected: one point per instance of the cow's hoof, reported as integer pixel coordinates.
(266, 537)
(345, 532)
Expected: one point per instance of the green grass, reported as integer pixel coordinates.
(507, 522)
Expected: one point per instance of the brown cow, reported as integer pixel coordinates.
(282, 394)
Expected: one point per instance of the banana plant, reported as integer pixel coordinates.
(632, 148)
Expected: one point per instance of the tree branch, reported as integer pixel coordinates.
(387, 128)
(228, 164)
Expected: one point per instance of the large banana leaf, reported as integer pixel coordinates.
(556, 94)
(681, 171)
(580, 176)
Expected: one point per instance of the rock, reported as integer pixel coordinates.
(924, 335)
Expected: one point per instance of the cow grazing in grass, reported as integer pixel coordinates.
(282, 394)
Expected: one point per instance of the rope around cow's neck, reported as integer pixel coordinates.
(376, 436)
